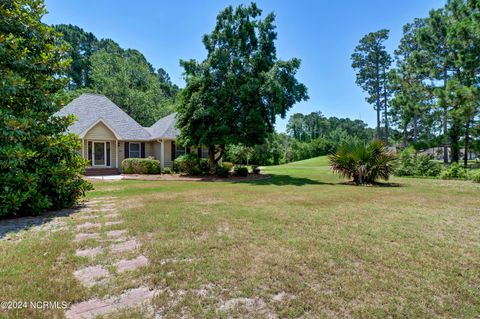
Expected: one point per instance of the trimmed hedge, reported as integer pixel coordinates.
(141, 166)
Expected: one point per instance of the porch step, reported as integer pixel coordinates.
(101, 171)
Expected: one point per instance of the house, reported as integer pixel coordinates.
(109, 135)
(437, 153)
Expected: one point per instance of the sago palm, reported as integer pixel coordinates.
(364, 163)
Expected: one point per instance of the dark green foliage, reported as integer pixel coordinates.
(141, 166)
(203, 165)
(167, 170)
(255, 169)
(435, 83)
(235, 94)
(240, 171)
(223, 171)
(409, 163)
(474, 176)
(124, 76)
(454, 171)
(188, 164)
(371, 61)
(40, 168)
(364, 163)
(306, 128)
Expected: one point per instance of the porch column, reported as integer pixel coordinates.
(83, 149)
(162, 154)
(116, 153)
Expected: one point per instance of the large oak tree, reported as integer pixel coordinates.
(235, 94)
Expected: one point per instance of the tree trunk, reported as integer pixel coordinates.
(212, 159)
(467, 140)
(405, 135)
(415, 127)
(455, 142)
(378, 102)
(445, 119)
(385, 105)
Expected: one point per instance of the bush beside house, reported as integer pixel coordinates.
(141, 166)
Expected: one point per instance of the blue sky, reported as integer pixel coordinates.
(321, 33)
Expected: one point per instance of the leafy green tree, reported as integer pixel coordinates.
(40, 168)
(372, 62)
(412, 101)
(235, 94)
(296, 126)
(464, 36)
(81, 46)
(129, 81)
(434, 45)
(124, 76)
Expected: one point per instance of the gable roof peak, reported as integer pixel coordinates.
(90, 108)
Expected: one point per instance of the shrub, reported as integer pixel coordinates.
(40, 168)
(240, 171)
(223, 171)
(410, 163)
(203, 165)
(255, 169)
(228, 165)
(474, 176)
(140, 166)
(454, 171)
(364, 163)
(188, 164)
(167, 170)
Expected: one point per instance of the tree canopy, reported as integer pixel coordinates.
(235, 94)
(124, 76)
(40, 168)
(372, 62)
(436, 78)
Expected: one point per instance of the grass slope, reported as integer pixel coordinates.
(299, 244)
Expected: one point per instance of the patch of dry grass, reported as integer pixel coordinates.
(299, 244)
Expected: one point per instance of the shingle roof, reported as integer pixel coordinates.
(90, 108)
(164, 128)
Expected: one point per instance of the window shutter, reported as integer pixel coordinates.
(127, 150)
(199, 152)
(173, 150)
(142, 150)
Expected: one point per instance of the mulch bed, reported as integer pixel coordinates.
(205, 178)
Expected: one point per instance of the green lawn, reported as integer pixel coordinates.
(301, 244)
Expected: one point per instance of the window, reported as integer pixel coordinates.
(90, 153)
(204, 152)
(108, 153)
(134, 150)
(179, 150)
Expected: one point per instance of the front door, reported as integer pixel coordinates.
(99, 153)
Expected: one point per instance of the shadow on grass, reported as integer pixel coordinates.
(283, 180)
(15, 224)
